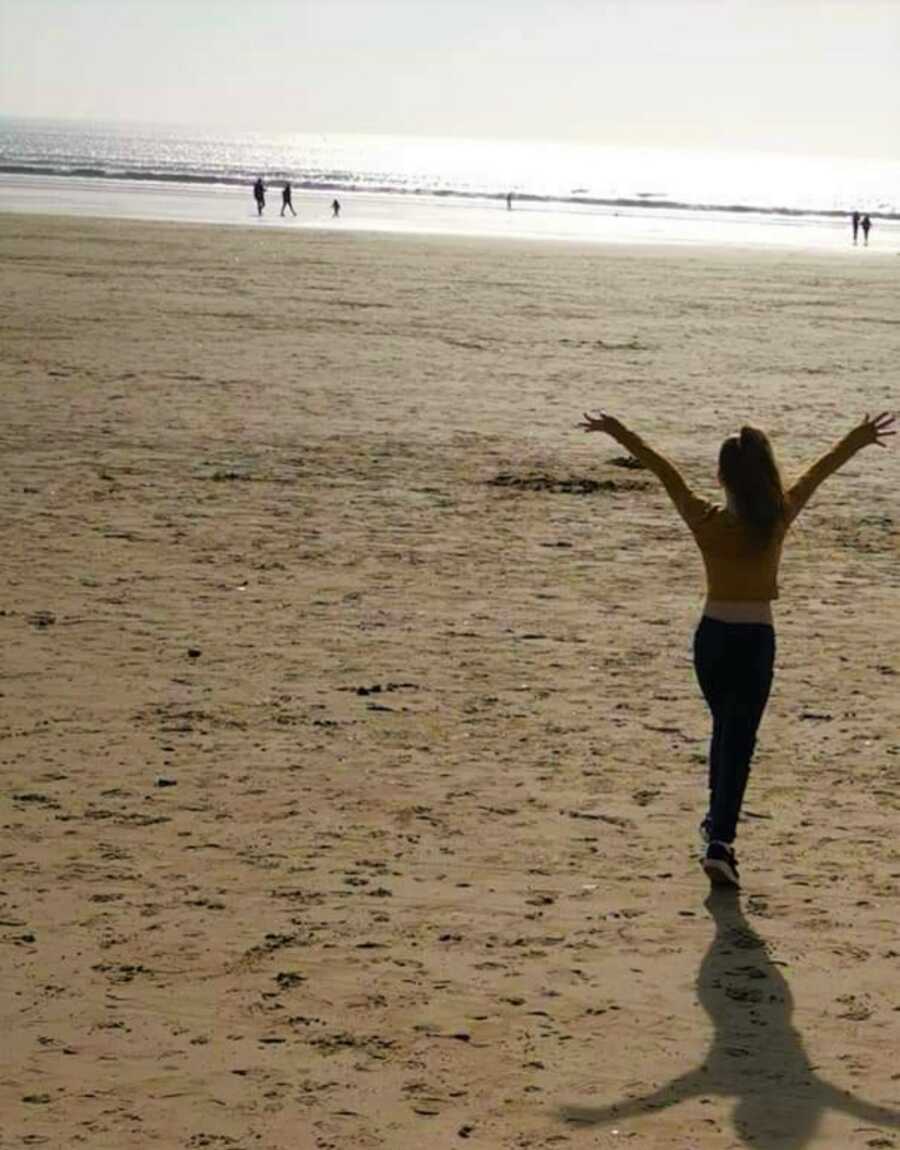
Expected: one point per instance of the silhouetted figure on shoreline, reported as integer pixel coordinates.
(509, 201)
(286, 199)
(335, 209)
(259, 194)
(854, 223)
(865, 223)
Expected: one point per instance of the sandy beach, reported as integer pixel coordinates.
(352, 757)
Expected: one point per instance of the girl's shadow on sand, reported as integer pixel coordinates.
(757, 1056)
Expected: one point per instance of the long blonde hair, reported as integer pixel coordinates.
(750, 474)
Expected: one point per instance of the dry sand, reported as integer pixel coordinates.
(301, 525)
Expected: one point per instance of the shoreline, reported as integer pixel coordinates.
(648, 202)
(531, 219)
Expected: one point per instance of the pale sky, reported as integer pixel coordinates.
(809, 76)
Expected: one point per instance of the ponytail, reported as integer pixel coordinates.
(750, 474)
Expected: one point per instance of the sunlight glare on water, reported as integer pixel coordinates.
(538, 169)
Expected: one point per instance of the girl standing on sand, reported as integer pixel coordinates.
(734, 644)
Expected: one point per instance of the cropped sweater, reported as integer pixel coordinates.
(737, 567)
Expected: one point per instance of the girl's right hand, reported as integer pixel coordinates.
(875, 430)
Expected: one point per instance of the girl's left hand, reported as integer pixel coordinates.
(600, 422)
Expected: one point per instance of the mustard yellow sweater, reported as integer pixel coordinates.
(737, 568)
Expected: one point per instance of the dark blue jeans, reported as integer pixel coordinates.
(734, 664)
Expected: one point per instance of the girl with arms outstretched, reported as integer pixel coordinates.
(734, 644)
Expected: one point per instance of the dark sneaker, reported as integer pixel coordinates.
(721, 865)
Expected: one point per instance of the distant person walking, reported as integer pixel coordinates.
(734, 644)
(286, 199)
(335, 209)
(509, 201)
(854, 223)
(865, 223)
(259, 194)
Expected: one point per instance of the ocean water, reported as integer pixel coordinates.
(418, 184)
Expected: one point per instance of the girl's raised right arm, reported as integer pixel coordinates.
(869, 431)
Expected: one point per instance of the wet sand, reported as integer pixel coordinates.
(447, 216)
(351, 753)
